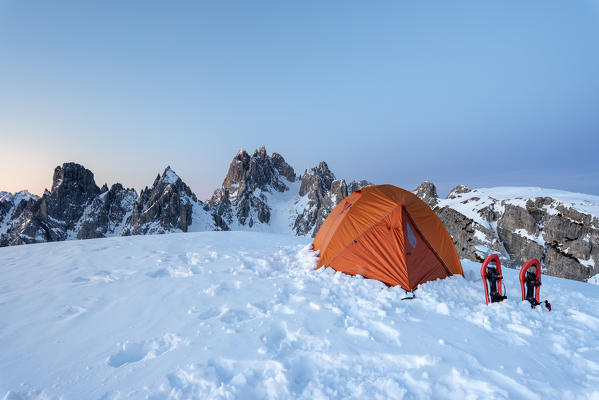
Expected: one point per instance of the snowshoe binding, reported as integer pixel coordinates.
(492, 279)
(530, 283)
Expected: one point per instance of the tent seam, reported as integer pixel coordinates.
(362, 233)
(430, 246)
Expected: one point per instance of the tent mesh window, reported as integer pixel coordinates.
(411, 236)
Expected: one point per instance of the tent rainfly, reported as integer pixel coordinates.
(386, 233)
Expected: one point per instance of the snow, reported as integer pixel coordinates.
(524, 233)
(468, 203)
(590, 263)
(169, 176)
(282, 211)
(201, 220)
(16, 198)
(245, 315)
(282, 205)
(479, 235)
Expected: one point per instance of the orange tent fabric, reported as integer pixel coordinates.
(386, 233)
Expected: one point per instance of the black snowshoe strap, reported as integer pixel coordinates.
(493, 277)
(496, 297)
(533, 302)
(531, 283)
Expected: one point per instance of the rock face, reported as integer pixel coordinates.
(242, 200)
(165, 207)
(354, 186)
(73, 188)
(259, 187)
(55, 215)
(108, 212)
(320, 192)
(12, 207)
(427, 193)
(521, 226)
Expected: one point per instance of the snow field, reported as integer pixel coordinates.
(244, 315)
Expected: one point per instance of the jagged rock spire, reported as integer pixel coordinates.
(427, 192)
(165, 207)
(241, 199)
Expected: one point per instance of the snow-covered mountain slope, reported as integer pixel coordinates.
(245, 315)
(559, 228)
(262, 193)
(469, 201)
(12, 206)
(168, 206)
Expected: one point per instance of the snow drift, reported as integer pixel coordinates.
(245, 315)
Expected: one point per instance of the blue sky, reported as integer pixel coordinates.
(482, 93)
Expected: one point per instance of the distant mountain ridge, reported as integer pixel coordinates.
(262, 192)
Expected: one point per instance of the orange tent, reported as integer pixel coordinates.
(386, 233)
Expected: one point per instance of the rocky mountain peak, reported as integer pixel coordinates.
(73, 188)
(261, 152)
(317, 179)
(55, 215)
(168, 180)
(166, 206)
(321, 192)
(354, 186)
(241, 199)
(259, 171)
(457, 191)
(107, 213)
(73, 177)
(280, 165)
(169, 176)
(427, 192)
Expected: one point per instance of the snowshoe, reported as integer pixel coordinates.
(492, 279)
(530, 282)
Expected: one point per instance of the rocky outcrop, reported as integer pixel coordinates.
(457, 191)
(73, 188)
(427, 193)
(564, 238)
(12, 208)
(55, 215)
(76, 208)
(354, 186)
(319, 193)
(108, 212)
(165, 207)
(242, 200)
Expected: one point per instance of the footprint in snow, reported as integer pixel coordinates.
(274, 337)
(71, 312)
(234, 316)
(104, 276)
(217, 290)
(173, 272)
(131, 352)
(211, 313)
(159, 273)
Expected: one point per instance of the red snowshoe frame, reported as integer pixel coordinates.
(497, 295)
(527, 283)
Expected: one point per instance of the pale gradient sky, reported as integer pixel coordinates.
(482, 93)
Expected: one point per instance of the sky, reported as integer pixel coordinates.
(481, 93)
